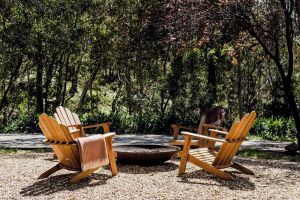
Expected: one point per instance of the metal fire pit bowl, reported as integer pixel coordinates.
(145, 154)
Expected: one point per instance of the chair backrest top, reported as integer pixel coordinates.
(66, 117)
(238, 131)
(54, 131)
(243, 127)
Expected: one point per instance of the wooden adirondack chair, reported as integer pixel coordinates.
(201, 130)
(72, 121)
(61, 141)
(212, 161)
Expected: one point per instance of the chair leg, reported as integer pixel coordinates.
(209, 168)
(82, 175)
(242, 168)
(111, 156)
(50, 171)
(182, 165)
(184, 154)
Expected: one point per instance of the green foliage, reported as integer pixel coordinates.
(8, 151)
(136, 64)
(18, 151)
(274, 155)
(275, 128)
(24, 123)
(123, 123)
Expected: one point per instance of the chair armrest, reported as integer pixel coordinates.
(183, 127)
(74, 125)
(218, 131)
(212, 138)
(204, 137)
(213, 127)
(110, 134)
(97, 125)
(75, 131)
(176, 130)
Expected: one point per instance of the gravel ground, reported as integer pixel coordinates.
(273, 179)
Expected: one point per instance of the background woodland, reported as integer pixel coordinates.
(146, 64)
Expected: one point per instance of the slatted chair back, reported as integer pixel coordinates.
(60, 139)
(236, 135)
(69, 119)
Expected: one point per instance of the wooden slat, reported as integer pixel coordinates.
(66, 132)
(237, 134)
(245, 132)
(206, 160)
(63, 135)
(57, 118)
(69, 151)
(202, 155)
(209, 168)
(76, 118)
(59, 110)
(70, 116)
(55, 129)
(48, 128)
(230, 150)
(199, 155)
(224, 151)
(59, 133)
(63, 116)
(47, 135)
(202, 150)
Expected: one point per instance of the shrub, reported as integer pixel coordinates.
(275, 128)
(24, 123)
(123, 123)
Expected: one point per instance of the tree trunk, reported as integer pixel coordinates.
(290, 98)
(49, 75)
(115, 100)
(297, 5)
(39, 89)
(240, 90)
(59, 86)
(86, 88)
(128, 88)
(212, 83)
(13, 76)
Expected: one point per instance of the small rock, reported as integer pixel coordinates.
(292, 148)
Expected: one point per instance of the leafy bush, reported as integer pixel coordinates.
(149, 123)
(24, 123)
(123, 123)
(275, 128)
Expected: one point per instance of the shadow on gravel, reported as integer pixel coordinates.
(136, 169)
(203, 178)
(58, 183)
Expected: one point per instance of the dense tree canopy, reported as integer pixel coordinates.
(145, 64)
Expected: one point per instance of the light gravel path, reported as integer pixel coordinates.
(273, 179)
(35, 141)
